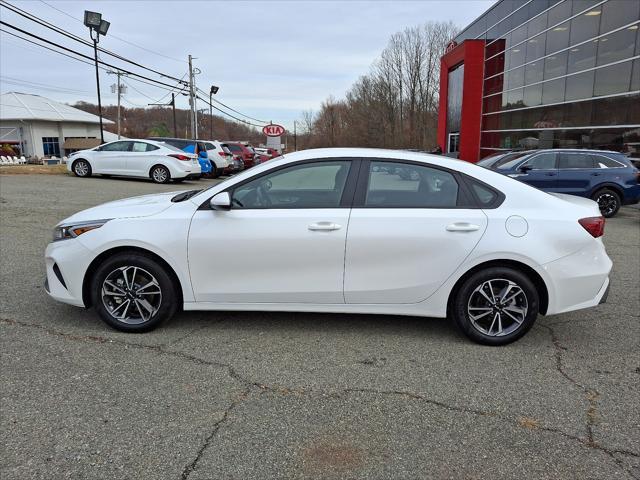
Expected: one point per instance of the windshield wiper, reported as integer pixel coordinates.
(185, 195)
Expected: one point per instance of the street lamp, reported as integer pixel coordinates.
(97, 26)
(212, 92)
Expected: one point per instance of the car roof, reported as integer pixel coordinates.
(579, 150)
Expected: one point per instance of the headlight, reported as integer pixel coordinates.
(64, 232)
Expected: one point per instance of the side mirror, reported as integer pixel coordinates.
(526, 168)
(221, 201)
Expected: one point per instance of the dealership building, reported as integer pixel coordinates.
(543, 74)
(38, 127)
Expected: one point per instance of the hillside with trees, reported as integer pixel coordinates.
(395, 105)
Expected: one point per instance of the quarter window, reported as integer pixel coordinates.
(309, 185)
(606, 162)
(394, 184)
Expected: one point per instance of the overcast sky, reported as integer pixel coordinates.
(271, 60)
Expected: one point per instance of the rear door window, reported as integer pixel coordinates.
(407, 185)
(139, 147)
(576, 161)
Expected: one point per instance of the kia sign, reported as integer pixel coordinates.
(273, 130)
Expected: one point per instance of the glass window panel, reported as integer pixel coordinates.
(585, 26)
(635, 76)
(578, 114)
(491, 122)
(561, 11)
(616, 46)
(575, 160)
(616, 111)
(613, 79)
(519, 34)
(515, 78)
(533, 95)
(542, 161)
(558, 38)
(537, 6)
(553, 91)
(516, 55)
(582, 57)
(454, 98)
(393, 184)
(616, 13)
(535, 48)
(580, 86)
(492, 103)
(310, 185)
(494, 66)
(536, 25)
(494, 85)
(515, 98)
(116, 147)
(581, 5)
(555, 65)
(533, 72)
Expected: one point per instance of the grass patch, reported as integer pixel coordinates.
(33, 170)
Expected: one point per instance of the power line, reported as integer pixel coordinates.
(82, 54)
(46, 86)
(234, 110)
(72, 36)
(48, 48)
(228, 114)
(114, 36)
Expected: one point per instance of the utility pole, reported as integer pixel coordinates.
(192, 98)
(118, 89)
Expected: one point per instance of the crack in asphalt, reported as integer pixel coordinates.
(216, 426)
(590, 394)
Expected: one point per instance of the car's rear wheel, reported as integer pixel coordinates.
(160, 174)
(81, 168)
(496, 306)
(608, 202)
(133, 293)
(215, 172)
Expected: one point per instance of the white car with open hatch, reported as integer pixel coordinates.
(340, 230)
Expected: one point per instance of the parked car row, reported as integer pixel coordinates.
(163, 159)
(607, 177)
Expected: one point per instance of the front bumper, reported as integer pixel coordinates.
(66, 263)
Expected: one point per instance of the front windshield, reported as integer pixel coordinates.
(509, 163)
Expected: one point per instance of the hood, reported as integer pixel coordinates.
(143, 206)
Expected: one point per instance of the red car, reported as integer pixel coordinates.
(243, 151)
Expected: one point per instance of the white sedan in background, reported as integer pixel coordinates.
(340, 230)
(136, 158)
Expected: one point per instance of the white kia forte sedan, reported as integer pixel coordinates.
(340, 230)
(158, 161)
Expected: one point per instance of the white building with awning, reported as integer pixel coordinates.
(40, 127)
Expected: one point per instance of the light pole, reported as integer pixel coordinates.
(97, 26)
(212, 92)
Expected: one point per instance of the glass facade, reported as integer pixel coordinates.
(560, 73)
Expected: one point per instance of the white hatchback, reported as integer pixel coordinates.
(340, 230)
(158, 161)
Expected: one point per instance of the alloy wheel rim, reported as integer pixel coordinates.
(81, 169)
(497, 307)
(607, 203)
(159, 175)
(131, 295)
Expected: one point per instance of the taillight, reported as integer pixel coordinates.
(222, 154)
(179, 156)
(593, 225)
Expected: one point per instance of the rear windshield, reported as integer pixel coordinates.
(235, 148)
(170, 147)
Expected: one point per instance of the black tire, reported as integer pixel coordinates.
(608, 201)
(141, 270)
(81, 168)
(486, 322)
(215, 172)
(160, 174)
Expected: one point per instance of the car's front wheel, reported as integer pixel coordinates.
(608, 201)
(160, 174)
(81, 168)
(133, 293)
(496, 306)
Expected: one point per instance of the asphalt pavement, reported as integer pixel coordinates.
(222, 395)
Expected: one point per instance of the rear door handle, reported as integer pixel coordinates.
(462, 227)
(324, 227)
(551, 174)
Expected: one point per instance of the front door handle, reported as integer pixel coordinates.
(462, 227)
(324, 227)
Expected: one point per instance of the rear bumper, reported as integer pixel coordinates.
(631, 195)
(577, 281)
